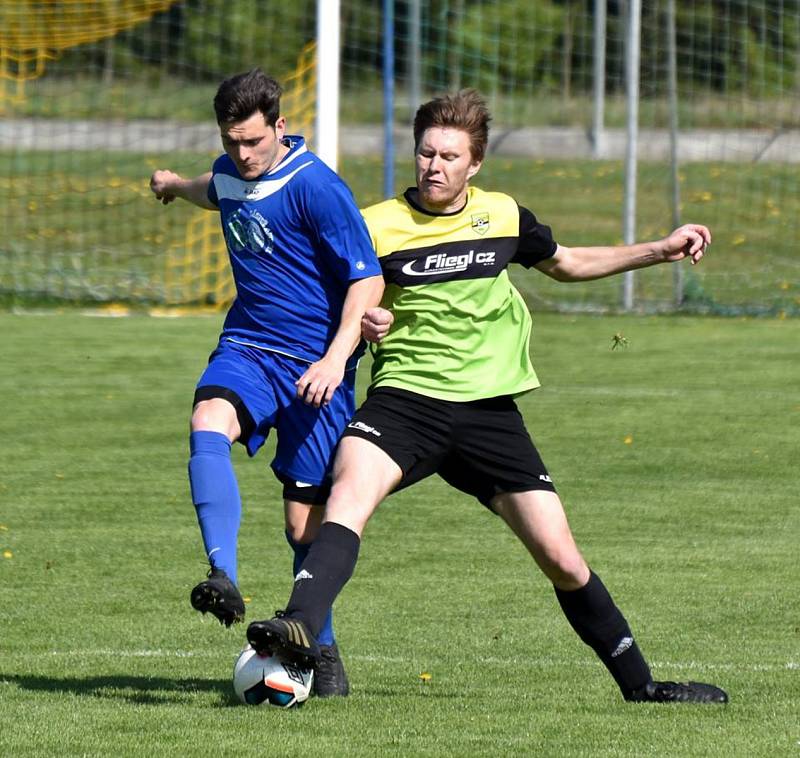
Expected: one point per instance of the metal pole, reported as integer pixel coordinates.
(672, 84)
(598, 116)
(633, 52)
(388, 98)
(327, 122)
(414, 53)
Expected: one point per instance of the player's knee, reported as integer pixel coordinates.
(302, 534)
(302, 524)
(565, 568)
(568, 571)
(215, 415)
(349, 506)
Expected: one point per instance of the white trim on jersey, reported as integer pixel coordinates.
(290, 156)
(230, 188)
(279, 352)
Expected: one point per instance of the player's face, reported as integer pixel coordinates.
(253, 145)
(444, 167)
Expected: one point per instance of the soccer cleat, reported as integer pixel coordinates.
(330, 678)
(218, 595)
(679, 692)
(286, 636)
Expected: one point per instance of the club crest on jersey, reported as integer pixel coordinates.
(248, 230)
(480, 223)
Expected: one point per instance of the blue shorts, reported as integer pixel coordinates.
(263, 381)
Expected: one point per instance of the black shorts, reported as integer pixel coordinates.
(479, 447)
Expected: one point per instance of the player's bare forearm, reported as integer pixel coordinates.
(577, 264)
(167, 186)
(361, 296)
(317, 385)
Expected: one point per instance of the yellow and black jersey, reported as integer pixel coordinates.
(461, 329)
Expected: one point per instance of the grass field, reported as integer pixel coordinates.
(84, 226)
(676, 457)
(362, 102)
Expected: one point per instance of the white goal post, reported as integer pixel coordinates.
(328, 52)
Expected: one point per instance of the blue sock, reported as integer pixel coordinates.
(215, 494)
(325, 636)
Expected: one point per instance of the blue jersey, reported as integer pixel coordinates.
(296, 240)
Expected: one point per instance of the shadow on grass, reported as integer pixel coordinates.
(135, 689)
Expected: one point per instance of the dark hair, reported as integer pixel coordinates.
(465, 110)
(242, 95)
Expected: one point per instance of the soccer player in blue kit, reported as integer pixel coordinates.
(305, 272)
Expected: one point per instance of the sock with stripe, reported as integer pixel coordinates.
(600, 624)
(215, 494)
(300, 549)
(330, 562)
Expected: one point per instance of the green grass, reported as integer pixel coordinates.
(83, 227)
(693, 524)
(86, 97)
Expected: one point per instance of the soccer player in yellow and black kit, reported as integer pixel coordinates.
(452, 354)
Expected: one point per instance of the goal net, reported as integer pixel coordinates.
(96, 94)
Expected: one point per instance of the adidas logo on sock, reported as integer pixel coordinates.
(624, 644)
(303, 575)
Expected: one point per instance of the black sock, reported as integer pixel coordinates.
(329, 564)
(601, 625)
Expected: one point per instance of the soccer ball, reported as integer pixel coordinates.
(270, 680)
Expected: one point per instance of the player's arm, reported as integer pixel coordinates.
(578, 264)
(317, 385)
(167, 185)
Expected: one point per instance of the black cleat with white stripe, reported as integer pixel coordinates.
(679, 692)
(286, 636)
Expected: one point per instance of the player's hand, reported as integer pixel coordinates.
(375, 324)
(317, 385)
(162, 185)
(687, 241)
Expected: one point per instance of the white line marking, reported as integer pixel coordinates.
(526, 662)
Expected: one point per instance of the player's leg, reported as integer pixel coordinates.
(215, 494)
(363, 476)
(230, 394)
(391, 441)
(497, 461)
(538, 519)
(307, 439)
(303, 521)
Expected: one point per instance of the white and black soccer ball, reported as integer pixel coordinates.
(270, 680)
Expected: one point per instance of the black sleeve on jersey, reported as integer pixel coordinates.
(536, 241)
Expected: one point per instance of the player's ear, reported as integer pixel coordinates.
(280, 127)
(473, 169)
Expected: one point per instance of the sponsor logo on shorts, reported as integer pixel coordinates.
(303, 484)
(303, 574)
(439, 263)
(545, 478)
(362, 427)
